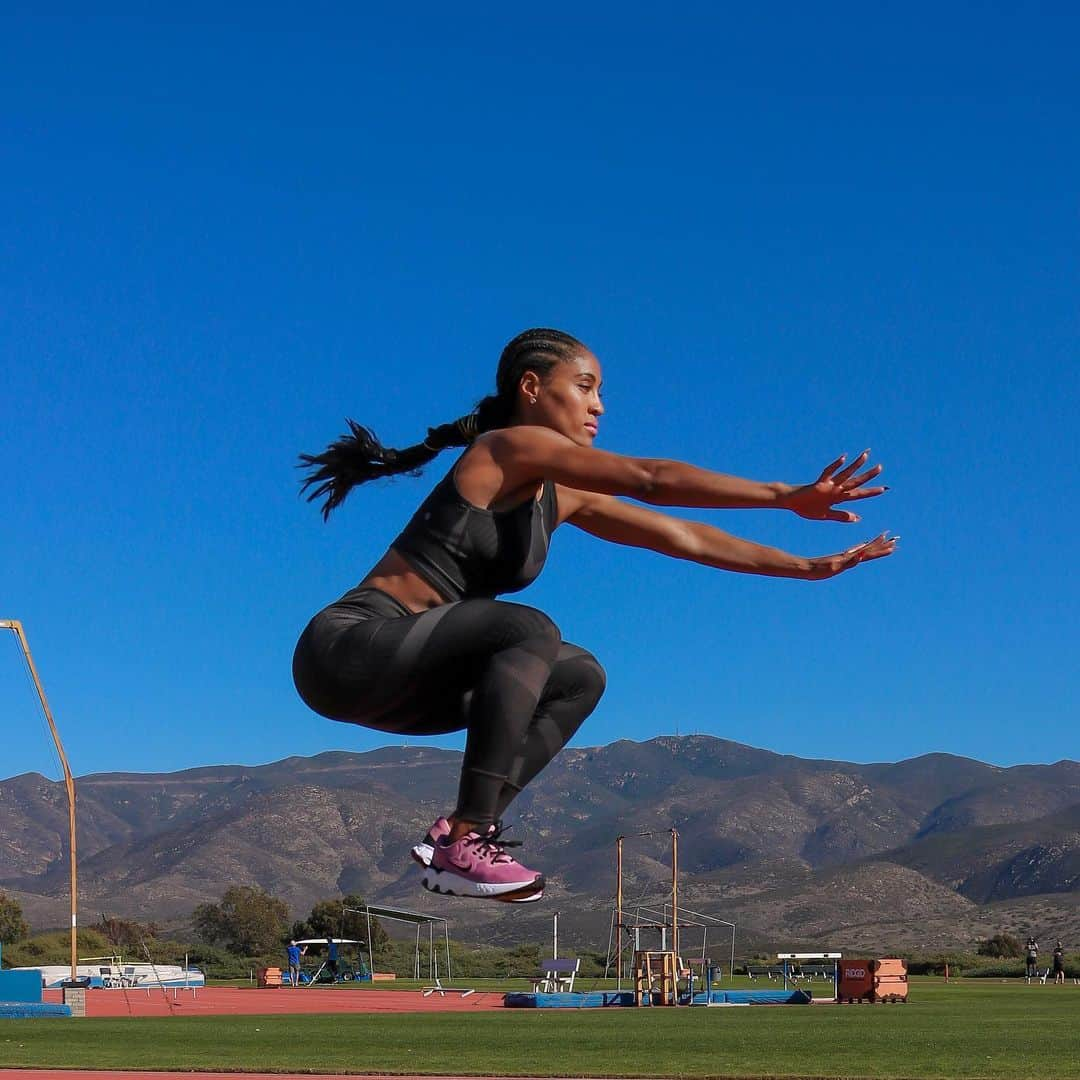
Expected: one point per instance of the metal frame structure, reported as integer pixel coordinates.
(835, 957)
(661, 913)
(69, 781)
(620, 924)
(658, 911)
(419, 920)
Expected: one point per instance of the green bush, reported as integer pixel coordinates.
(996, 971)
(55, 948)
(247, 920)
(1001, 946)
(979, 966)
(13, 927)
(934, 963)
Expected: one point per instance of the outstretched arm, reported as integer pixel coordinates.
(534, 452)
(635, 526)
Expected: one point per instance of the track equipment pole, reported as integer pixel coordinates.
(69, 781)
(618, 913)
(675, 895)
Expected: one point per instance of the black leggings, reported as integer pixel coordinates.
(497, 669)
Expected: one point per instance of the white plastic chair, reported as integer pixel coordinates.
(556, 977)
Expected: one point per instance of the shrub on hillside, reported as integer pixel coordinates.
(1001, 946)
(55, 948)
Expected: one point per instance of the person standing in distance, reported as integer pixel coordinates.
(423, 647)
(332, 958)
(293, 954)
(1058, 956)
(1031, 955)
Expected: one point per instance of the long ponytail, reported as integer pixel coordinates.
(359, 456)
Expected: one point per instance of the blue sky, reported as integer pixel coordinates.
(786, 233)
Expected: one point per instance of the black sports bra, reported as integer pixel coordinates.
(465, 551)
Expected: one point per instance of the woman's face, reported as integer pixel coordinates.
(567, 400)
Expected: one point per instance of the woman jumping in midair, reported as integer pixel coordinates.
(422, 647)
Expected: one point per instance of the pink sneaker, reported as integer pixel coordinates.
(423, 851)
(494, 833)
(479, 867)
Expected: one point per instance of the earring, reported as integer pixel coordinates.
(532, 401)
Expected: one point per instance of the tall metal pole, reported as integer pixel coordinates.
(69, 782)
(618, 913)
(446, 938)
(370, 947)
(675, 893)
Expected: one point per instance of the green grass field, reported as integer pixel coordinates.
(960, 1030)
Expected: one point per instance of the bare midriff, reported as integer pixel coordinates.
(393, 575)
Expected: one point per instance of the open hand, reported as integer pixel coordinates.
(836, 484)
(827, 566)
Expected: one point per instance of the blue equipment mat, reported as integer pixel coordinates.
(620, 999)
(23, 1010)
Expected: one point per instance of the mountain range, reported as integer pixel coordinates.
(936, 852)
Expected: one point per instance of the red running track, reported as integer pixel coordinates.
(240, 1001)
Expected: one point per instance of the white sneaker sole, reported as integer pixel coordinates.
(450, 884)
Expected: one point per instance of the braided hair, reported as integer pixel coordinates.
(359, 456)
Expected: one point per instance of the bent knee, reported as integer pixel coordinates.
(596, 679)
(583, 670)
